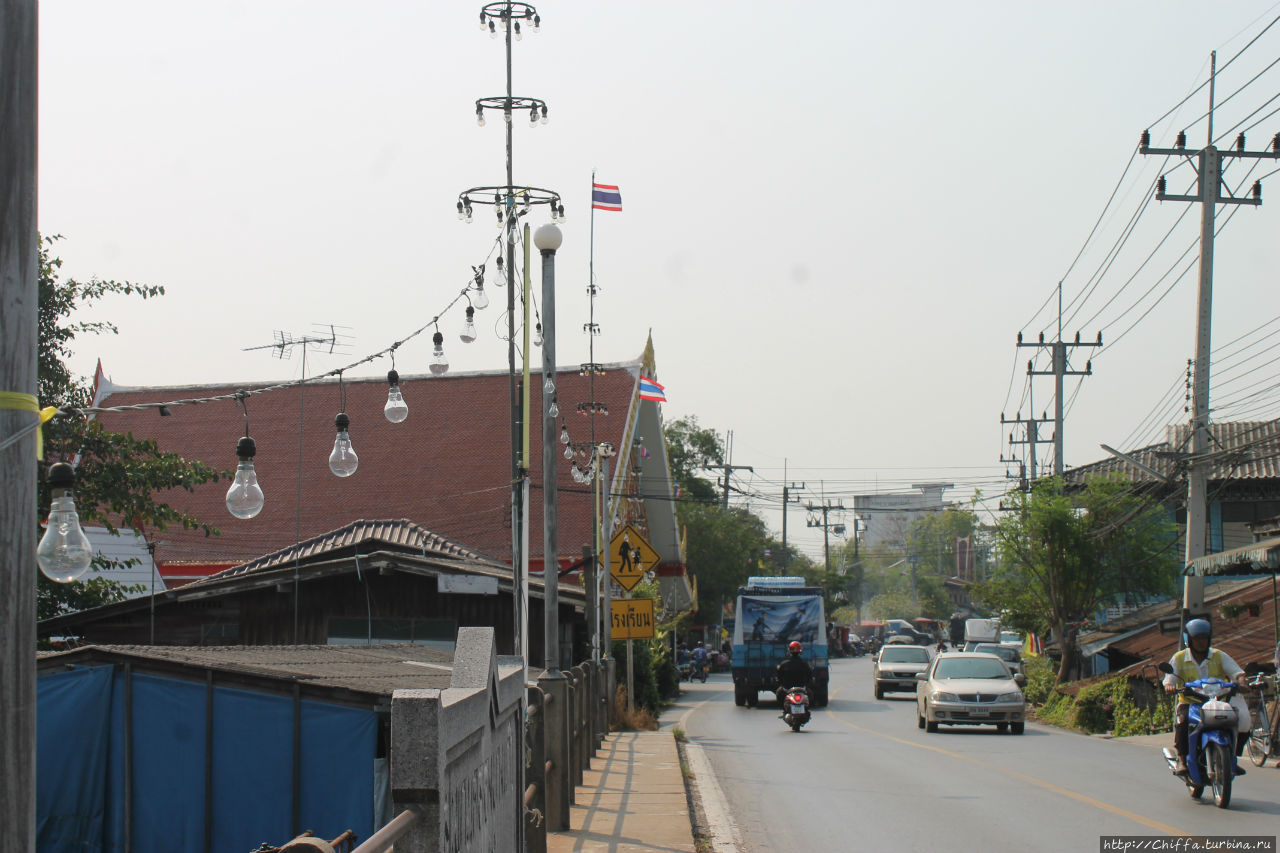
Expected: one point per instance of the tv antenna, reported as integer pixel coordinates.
(323, 338)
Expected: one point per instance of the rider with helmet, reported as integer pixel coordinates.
(1200, 660)
(699, 658)
(794, 671)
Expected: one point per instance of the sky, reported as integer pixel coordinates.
(836, 217)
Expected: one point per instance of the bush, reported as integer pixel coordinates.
(1106, 706)
(646, 684)
(1041, 678)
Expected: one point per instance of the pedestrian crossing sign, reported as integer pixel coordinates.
(630, 557)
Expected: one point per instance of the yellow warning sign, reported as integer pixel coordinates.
(630, 556)
(632, 618)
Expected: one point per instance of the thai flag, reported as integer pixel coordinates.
(650, 390)
(605, 197)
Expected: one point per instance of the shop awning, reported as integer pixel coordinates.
(1256, 559)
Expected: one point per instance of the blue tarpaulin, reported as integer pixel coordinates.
(80, 765)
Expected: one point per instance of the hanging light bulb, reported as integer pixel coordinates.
(468, 333)
(500, 277)
(480, 115)
(64, 552)
(577, 475)
(544, 114)
(568, 452)
(462, 214)
(439, 363)
(396, 410)
(343, 460)
(549, 386)
(479, 299)
(554, 409)
(564, 434)
(245, 498)
(537, 335)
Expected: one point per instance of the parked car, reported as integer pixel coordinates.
(896, 668)
(1011, 656)
(1011, 638)
(970, 689)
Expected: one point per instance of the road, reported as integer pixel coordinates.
(862, 774)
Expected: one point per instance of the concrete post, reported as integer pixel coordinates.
(555, 740)
(19, 298)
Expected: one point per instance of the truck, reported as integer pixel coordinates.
(771, 613)
(981, 631)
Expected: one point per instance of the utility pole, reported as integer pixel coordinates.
(19, 417)
(1058, 349)
(1208, 164)
(1032, 433)
(729, 469)
(786, 498)
(826, 542)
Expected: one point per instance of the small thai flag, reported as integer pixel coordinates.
(650, 390)
(605, 197)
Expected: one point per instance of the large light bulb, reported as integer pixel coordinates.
(564, 434)
(480, 299)
(568, 452)
(468, 333)
(396, 409)
(343, 460)
(64, 553)
(537, 335)
(500, 277)
(548, 385)
(439, 362)
(554, 409)
(245, 498)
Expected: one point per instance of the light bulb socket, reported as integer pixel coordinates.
(62, 476)
(437, 339)
(342, 422)
(471, 313)
(393, 378)
(246, 448)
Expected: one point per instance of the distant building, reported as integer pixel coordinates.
(887, 516)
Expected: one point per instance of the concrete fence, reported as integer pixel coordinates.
(491, 763)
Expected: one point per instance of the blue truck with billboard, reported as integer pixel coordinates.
(772, 612)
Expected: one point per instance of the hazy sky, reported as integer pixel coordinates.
(837, 216)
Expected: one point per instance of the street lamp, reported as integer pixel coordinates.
(548, 239)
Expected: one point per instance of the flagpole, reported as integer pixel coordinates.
(601, 643)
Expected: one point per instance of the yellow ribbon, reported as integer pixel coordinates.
(28, 403)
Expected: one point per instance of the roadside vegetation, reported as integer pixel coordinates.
(1118, 704)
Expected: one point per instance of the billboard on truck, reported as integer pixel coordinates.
(779, 619)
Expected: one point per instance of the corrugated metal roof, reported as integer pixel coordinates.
(402, 533)
(1239, 450)
(376, 669)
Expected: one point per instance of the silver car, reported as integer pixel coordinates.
(896, 668)
(970, 689)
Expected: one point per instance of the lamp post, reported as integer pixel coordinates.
(511, 202)
(547, 239)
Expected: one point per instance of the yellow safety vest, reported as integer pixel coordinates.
(1186, 668)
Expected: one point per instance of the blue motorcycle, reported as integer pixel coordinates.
(1211, 738)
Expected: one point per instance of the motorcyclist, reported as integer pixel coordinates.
(1200, 660)
(699, 657)
(794, 671)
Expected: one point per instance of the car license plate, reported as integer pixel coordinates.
(979, 712)
(797, 709)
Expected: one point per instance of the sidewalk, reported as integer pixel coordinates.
(631, 800)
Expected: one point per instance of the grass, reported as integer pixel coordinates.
(631, 720)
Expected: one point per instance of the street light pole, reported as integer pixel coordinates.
(548, 238)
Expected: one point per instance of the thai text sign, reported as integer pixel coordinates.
(632, 618)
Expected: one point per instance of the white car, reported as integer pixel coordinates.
(970, 689)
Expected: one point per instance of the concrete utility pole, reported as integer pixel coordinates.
(19, 299)
(1208, 164)
(1058, 349)
(825, 508)
(729, 469)
(786, 498)
(1032, 433)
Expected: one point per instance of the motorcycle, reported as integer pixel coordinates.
(1211, 738)
(684, 670)
(795, 707)
(699, 671)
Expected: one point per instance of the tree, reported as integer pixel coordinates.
(117, 476)
(1062, 556)
(723, 548)
(690, 449)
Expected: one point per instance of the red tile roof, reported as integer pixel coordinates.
(446, 468)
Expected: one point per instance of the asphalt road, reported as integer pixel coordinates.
(861, 775)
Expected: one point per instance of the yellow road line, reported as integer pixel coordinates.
(1040, 783)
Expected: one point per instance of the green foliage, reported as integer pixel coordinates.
(690, 449)
(1041, 679)
(646, 679)
(1105, 706)
(1062, 556)
(722, 548)
(117, 476)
